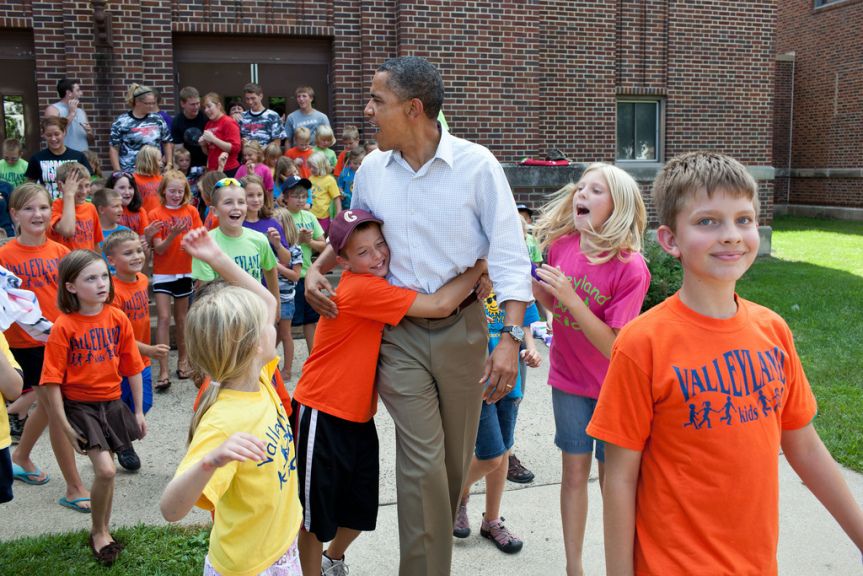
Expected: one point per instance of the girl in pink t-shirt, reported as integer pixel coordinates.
(594, 282)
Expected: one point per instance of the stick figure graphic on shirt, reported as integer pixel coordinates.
(726, 411)
(765, 404)
(777, 399)
(705, 414)
(693, 418)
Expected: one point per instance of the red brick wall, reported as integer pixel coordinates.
(828, 96)
(521, 76)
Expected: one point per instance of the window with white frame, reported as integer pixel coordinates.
(638, 130)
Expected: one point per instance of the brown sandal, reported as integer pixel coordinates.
(108, 554)
(162, 385)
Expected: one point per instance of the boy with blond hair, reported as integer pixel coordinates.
(702, 393)
(350, 140)
(301, 152)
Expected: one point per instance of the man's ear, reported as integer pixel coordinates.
(416, 108)
(665, 237)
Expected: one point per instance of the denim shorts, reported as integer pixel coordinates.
(572, 414)
(496, 428)
(286, 310)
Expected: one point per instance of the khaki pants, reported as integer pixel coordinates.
(428, 378)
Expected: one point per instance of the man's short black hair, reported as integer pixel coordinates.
(415, 77)
(66, 85)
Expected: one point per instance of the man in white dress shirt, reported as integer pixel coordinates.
(445, 202)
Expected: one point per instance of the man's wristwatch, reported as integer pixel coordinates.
(515, 331)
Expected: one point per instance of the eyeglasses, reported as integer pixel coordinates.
(228, 182)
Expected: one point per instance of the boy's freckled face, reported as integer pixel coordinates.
(366, 252)
(113, 211)
(303, 143)
(350, 143)
(716, 238)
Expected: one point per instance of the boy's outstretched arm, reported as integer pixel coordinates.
(442, 303)
(810, 459)
(618, 503)
(198, 244)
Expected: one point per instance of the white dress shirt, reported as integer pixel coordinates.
(439, 220)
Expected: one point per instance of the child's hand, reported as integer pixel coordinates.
(250, 167)
(72, 186)
(556, 282)
(176, 227)
(241, 446)
(483, 287)
(151, 230)
(142, 424)
(158, 351)
(531, 358)
(145, 246)
(223, 159)
(298, 161)
(305, 236)
(274, 237)
(75, 439)
(198, 244)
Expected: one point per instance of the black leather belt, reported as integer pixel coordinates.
(471, 298)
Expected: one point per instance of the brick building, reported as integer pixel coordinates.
(818, 137)
(632, 81)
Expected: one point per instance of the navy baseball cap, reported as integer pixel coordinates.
(294, 181)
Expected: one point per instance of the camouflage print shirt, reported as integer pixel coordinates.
(263, 127)
(129, 134)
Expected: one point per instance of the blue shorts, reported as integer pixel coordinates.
(126, 391)
(496, 428)
(286, 310)
(572, 414)
(303, 312)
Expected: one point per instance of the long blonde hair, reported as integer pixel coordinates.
(283, 217)
(223, 334)
(620, 235)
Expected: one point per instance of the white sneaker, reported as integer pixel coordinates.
(330, 567)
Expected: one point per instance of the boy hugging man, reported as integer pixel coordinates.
(335, 399)
(702, 393)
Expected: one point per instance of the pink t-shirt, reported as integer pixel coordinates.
(261, 170)
(614, 291)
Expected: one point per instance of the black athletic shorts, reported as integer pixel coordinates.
(30, 360)
(337, 461)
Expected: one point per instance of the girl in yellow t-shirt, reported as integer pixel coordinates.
(240, 461)
(326, 197)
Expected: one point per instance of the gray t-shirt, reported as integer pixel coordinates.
(310, 121)
(76, 136)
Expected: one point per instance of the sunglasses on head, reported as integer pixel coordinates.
(228, 182)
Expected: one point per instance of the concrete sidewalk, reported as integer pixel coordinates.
(810, 541)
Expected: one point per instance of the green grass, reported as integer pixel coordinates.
(151, 550)
(815, 281)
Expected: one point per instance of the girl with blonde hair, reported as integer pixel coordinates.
(594, 282)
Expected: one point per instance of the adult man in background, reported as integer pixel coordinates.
(188, 125)
(79, 134)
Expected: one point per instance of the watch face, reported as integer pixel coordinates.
(515, 331)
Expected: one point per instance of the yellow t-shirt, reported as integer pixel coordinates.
(324, 191)
(5, 437)
(257, 508)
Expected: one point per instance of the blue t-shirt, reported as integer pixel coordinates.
(346, 184)
(494, 315)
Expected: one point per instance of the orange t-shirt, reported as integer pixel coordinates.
(294, 153)
(148, 187)
(705, 401)
(88, 230)
(269, 373)
(36, 266)
(339, 376)
(340, 163)
(137, 221)
(89, 355)
(132, 298)
(211, 222)
(174, 260)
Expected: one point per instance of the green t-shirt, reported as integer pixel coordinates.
(305, 220)
(533, 249)
(13, 173)
(251, 251)
(330, 154)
